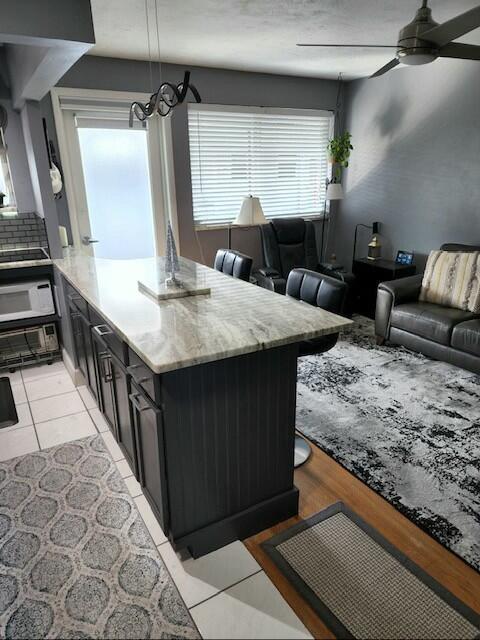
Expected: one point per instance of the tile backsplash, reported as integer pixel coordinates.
(24, 230)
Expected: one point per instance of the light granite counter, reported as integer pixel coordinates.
(22, 264)
(235, 318)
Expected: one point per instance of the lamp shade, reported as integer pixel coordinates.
(334, 191)
(251, 213)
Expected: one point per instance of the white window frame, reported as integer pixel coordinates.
(10, 207)
(160, 156)
(269, 111)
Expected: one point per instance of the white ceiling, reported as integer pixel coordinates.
(260, 35)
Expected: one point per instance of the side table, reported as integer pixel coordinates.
(369, 274)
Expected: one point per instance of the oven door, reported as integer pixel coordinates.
(26, 300)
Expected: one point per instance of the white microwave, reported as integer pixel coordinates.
(30, 299)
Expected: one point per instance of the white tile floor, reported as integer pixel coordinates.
(228, 594)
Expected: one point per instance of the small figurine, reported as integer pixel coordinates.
(171, 259)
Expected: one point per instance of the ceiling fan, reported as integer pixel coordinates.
(423, 40)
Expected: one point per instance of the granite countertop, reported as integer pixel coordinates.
(235, 318)
(25, 263)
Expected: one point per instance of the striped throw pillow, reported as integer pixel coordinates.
(453, 280)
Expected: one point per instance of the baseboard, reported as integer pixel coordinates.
(240, 525)
(74, 373)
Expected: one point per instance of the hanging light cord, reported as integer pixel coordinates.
(168, 95)
(149, 47)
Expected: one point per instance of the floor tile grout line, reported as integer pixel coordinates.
(36, 436)
(57, 395)
(68, 415)
(87, 409)
(230, 587)
(50, 375)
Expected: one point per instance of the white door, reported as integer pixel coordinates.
(114, 177)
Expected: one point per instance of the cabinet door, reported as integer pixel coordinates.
(104, 376)
(89, 356)
(148, 424)
(78, 341)
(123, 414)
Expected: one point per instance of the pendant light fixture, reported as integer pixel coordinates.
(168, 95)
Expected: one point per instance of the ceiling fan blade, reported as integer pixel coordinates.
(454, 28)
(391, 65)
(460, 50)
(351, 46)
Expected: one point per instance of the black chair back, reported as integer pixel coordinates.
(317, 289)
(465, 248)
(321, 291)
(233, 263)
(289, 243)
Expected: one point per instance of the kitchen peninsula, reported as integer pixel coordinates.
(199, 391)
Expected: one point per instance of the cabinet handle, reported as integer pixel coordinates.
(105, 358)
(132, 368)
(131, 371)
(102, 330)
(135, 400)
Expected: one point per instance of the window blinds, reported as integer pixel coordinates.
(280, 156)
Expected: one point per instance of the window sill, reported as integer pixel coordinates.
(8, 212)
(213, 227)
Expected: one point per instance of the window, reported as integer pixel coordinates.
(278, 155)
(6, 186)
(118, 180)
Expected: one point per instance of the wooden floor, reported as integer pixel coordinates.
(321, 482)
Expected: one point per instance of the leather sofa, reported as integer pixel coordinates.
(443, 333)
(287, 244)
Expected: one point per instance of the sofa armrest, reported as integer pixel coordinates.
(390, 294)
(270, 279)
(269, 272)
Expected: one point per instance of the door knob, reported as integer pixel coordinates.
(87, 240)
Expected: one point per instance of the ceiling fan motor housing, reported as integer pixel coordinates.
(412, 50)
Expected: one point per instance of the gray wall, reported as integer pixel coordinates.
(415, 166)
(17, 158)
(216, 87)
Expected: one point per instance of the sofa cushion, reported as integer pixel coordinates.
(452, 279)
(466, 337)
(428, 320)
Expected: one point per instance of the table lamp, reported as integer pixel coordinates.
(250, 214)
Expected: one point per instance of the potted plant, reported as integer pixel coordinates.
(339, 149)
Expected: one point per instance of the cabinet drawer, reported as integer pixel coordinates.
(143, 376)
(103, 330)
(75, 299)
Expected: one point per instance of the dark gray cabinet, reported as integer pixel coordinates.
(82, 342)
(213, 454)
(114, 390)
(105, 396)
(91, 377)
(78, 340)
(120, 386)
(148, 423)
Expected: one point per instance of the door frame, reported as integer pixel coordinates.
(160, 155)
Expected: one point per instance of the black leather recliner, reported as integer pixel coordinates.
(327, 293)
(233, 263)
(443, 333)
(287, 244)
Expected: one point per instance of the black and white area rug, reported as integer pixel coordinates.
(76, 560)
(408, 426)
